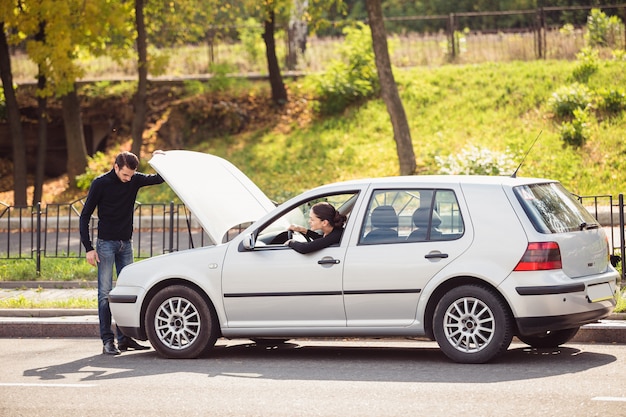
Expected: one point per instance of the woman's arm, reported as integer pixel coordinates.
(317, 244)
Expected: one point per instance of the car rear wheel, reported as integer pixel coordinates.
(180, 323)
(472, 324)
(549, 339)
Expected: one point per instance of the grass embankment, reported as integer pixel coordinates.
(499, 107)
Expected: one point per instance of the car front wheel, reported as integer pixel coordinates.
(180, 323)
(472, 324)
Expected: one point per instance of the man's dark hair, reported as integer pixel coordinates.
(127, 159)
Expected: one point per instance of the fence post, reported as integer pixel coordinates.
(38, 248)
(622, 240)
(451, 34)
(539, 33)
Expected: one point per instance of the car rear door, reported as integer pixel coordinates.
(383, 279)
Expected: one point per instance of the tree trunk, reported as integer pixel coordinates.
(42, 133)
(74, 137)
(389, 89)
(15, 124)
(279, 92)
(139, 101)
(42, 140)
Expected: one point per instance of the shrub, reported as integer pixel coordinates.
(220, 81)
(619, 55)
(349, 80)
(602, 30)
(477, 161)
(567, 99)
(97, 164)
(611, 101)
(588, 64)
(251, 37)
(576, 132)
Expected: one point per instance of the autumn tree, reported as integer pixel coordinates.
(389, 89)
(277, 13)
(140, 105)
(13, 113)
(55, 34)
(166, 24)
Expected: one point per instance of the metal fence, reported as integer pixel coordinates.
(37, 232)
(522, 34)
(53, 231)
(428, 40)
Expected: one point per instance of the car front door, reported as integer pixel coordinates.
(273, 286)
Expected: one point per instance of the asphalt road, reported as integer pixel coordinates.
(69, 377)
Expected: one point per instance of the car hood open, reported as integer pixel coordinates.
(218, 194)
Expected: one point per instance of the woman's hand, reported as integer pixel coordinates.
(297, 228)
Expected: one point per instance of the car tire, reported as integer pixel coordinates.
(472, 324)
(180, 323)
(549, 339)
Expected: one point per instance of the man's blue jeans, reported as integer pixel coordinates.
(120, 253)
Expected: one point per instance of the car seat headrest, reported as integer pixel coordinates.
(384, 217)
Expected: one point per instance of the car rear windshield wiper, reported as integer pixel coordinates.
(585, 226)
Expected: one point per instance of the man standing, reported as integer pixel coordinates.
(114, 194)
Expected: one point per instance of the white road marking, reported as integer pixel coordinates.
(25, 384)
(618, 399)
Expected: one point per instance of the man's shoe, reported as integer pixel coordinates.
(129, 343)
(110, 349)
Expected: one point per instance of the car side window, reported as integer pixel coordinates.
(275, 233)
(412, 215)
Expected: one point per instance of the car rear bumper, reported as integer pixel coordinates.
(534, 325)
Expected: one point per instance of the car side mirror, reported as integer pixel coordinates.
(248, 241)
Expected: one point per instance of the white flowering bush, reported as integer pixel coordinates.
(568, 98)
(474, 160)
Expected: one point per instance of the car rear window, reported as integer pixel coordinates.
(552, 209)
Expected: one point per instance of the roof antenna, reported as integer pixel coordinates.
(524, 158)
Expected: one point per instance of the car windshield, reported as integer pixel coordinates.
(552, 209)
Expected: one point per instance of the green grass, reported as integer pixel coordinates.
(621, 304)
(52, 269)
(23, 302)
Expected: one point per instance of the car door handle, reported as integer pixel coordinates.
(326, 261)
(435, 255)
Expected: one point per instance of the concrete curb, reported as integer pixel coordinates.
(32, 327)
(35, 313)
(55, 285)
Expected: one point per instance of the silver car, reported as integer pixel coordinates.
(468, 261)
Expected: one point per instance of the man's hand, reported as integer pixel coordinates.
(92, 257)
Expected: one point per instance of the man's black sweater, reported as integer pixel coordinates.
(115, 201)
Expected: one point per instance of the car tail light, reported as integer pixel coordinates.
(540, 256)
